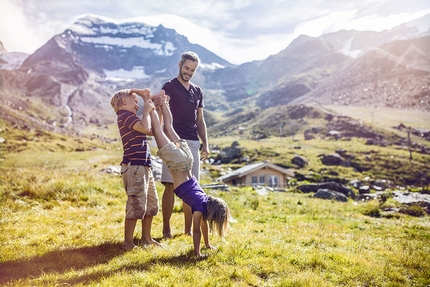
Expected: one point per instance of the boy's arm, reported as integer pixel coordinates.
(144, 125)
(197, 217)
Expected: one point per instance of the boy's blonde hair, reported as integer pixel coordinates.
(116, 100)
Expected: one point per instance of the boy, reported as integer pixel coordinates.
(142, 198)
(208, 212)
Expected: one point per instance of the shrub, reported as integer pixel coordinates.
(413, 210)
(372, 211)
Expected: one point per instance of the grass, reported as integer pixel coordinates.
(66, 228)
(62, 223)
(391, 163)
(385, 117)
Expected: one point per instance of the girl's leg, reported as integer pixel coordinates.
(160, 138)
(168, 122)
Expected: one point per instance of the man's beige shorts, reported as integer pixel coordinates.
(142, 198)
(177, 156)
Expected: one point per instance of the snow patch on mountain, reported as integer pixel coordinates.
(138, 72)
(88, 26)
(211, 66)
(108, 33)
(166, 48)
(346, 49)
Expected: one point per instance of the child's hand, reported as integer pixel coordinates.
(149, 105)
(158, 98)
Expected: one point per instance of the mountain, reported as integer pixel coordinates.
(396, 75)
(124, 50)
(66, 84)
(308, 64)
(76, 71)
(10, 61)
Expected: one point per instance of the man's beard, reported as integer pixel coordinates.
(183, 75)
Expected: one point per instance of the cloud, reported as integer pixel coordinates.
(16, 31)
(350, 20)
(25, 29)
(195, 34)
(236, 30)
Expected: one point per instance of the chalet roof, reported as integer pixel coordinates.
(240, 172)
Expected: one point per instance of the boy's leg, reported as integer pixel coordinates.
(152, 208)
(146, 231)
(130, 224)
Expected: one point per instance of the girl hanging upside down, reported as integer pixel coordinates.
(208, 212)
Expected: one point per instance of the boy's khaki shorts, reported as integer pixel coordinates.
(142, 198)
(177, 156)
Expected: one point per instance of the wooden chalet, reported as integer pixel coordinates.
(262, 173)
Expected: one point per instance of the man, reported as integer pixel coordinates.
(186, 104)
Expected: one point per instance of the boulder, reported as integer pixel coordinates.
(330, 194)
(380, 184)
(112, 170)
(314, 187)
(331, 159)
(356, 183)
(363, 189)
(299, 161)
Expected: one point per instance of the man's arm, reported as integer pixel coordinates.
(202, 132)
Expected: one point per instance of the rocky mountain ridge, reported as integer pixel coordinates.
(68, 81)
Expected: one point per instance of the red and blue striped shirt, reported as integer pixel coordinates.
(134, 143)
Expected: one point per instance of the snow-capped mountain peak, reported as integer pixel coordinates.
(95, 25)
(127, 49)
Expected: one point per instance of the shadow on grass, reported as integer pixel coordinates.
(182, 261)
(62, 261)
(59, 261)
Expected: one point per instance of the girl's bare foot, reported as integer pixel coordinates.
(145, 94)
(158, 98)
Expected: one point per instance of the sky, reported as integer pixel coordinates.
(238, 31)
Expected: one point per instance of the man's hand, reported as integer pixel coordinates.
(204, 152)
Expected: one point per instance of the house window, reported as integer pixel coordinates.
(272, 180)
(254, 180)
(262, 180)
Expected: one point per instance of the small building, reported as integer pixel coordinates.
(262, 173)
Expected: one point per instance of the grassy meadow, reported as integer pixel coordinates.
(62, 224)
